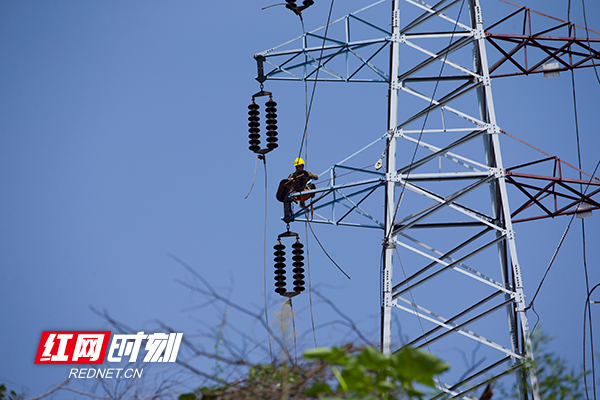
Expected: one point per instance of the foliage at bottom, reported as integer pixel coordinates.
(335, 373)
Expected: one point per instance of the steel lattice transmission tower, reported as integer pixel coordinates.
(447, 216)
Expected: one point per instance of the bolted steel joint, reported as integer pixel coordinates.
(478, 33)
(398, 38)
(493, 129)
(496, 172)
(485, 80)
(393, 177)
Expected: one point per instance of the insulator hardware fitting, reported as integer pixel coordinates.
(291, 5)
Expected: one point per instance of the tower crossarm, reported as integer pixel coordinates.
(554, 194)
(301, 58)
(564, 46)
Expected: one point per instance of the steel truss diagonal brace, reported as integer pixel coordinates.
(477, 275)
(444, 152)
(438, 320)
(494, 378)
(447, 266)
(433, 11)
(444, 256)
(449, 201)
(429, 333)
(442, 104)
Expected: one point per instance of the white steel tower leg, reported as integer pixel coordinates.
(388, 246)
(500, 198)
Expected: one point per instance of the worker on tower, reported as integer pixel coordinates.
(296, 182)
(300, 178)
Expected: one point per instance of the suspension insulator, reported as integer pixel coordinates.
(253, 127)
(298, 264)
(298, 254)
(298, 248)
(279, 247)
(298, 261)
(299, 285)
(307, 3)
(271, 109)
(279, 268)
(253, 109)
(254, 124)
(271, 106)
(271, 143)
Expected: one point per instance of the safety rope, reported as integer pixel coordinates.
(253, 179)
(325, 251)
(310, 303)
(265, 260)
(294, 330)
(587, 305)
(585, 269)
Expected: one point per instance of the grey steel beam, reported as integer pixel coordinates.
(452, 319)
(447, 266)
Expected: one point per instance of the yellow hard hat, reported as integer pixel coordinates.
(298, 161)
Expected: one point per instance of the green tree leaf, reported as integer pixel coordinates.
(414, 364)
(373, 359)
(318, 388)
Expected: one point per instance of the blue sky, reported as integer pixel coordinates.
(123, 138)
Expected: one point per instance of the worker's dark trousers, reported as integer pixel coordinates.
(288, 216)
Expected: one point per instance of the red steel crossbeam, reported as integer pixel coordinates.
(569, 51)
(538, 187)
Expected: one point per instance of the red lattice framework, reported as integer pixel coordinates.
(566, 195)
(568, 51)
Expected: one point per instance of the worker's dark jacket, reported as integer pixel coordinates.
(296, 182)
